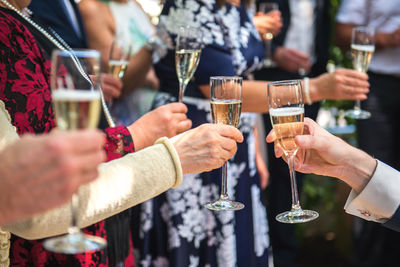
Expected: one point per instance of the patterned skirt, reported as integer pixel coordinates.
(174, 229)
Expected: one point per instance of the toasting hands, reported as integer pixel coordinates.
(168, 120)
(206, 147)
(325, 154)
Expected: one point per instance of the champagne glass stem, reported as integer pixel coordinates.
(293, 183)
(268, 52)
(182, 87)
(357, 105)
(224, 192)
(73, 229)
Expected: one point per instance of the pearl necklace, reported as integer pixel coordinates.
(62, 45)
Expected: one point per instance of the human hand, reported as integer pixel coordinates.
(270, 22)
(168, 120)
(206, 147)
(341, 84)
(41, 172)
(111, 86)
(325, 154)
(387, 40)
(291, 60)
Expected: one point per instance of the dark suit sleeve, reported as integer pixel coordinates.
(394, 222)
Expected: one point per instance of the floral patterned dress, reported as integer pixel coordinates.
(174, 229)
(24, 88)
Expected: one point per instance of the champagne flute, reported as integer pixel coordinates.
(286, 109)
(120, 53)
(187, 55)
(268, 37)
(226, 104)
(75, 82)
(362, 49)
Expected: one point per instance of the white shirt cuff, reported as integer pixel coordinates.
(380, 198)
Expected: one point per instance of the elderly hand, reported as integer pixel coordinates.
(41, 172)
(206, 147)
(291, 60)
(168, 120)
(325, 154)
(268, 23)
(111, 86)
(343, 84)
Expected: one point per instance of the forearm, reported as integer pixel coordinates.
(137, 70)
(122, 183)
(358, 170)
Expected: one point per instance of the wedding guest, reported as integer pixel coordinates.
(170, 228)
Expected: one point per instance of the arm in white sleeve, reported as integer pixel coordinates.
(352, 12)
(380, 198)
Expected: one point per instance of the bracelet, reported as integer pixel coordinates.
(307, 97)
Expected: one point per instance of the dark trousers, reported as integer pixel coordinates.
(279, 198)
(379, 136)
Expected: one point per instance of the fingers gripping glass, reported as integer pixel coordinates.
(286, 109)
(75, 82)
(187, 55)
(226, 104)
(362, 49)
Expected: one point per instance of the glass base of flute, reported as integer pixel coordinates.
(296, 214)
(75, 241)
(357, 113)
(223, 203)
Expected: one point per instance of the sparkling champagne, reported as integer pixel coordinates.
(362, 55)
(76, 109)
(287, 123)
(117, 68)
(226, 111)
(186, 62)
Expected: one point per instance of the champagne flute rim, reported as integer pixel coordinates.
(364, 29)
(81, 52)
(285, 82)
(226, 78)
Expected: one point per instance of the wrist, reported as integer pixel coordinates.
(306, 91)
(359, 169)
(314, 93)
(138, 135)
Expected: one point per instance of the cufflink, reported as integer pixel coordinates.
(364, 213)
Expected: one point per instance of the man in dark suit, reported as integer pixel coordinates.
(64, 17)
(297, 51)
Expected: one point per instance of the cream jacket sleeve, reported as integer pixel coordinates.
(380, 198)
(121, 184)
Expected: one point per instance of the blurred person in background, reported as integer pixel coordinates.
(300, 49)
(376, 245)
(124, 21)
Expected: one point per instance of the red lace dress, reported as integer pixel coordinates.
(24, 88)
